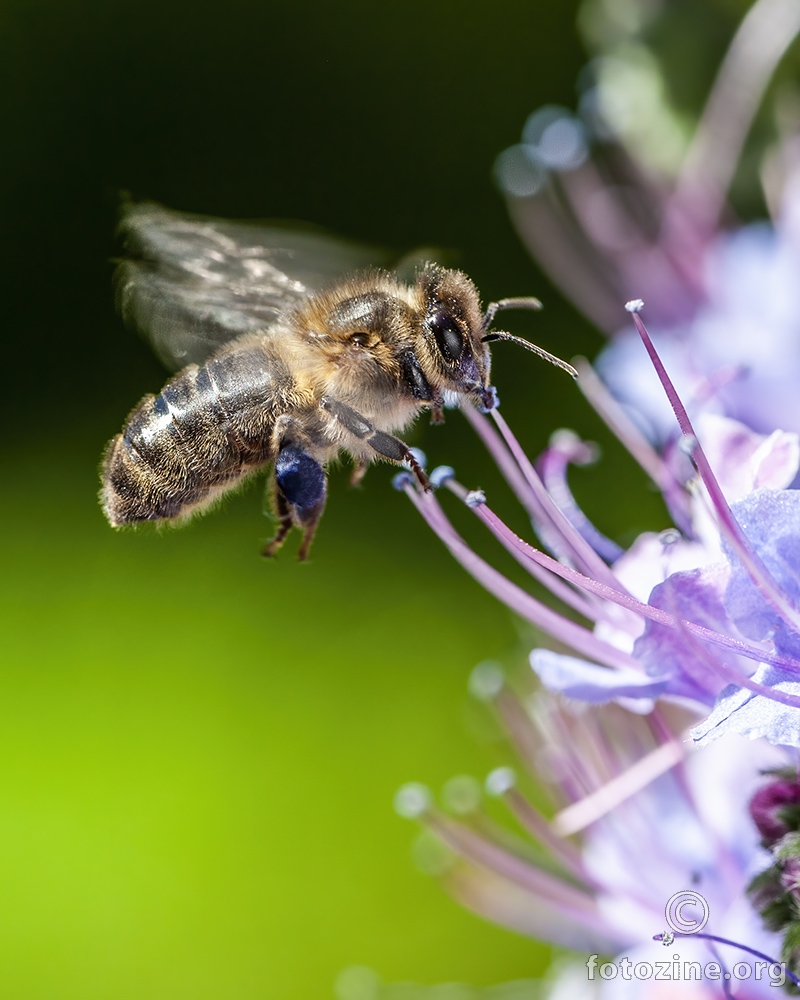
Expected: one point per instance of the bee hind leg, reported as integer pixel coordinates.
(284, 516)
(309, 531)
(300, 491)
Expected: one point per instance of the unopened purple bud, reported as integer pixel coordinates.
(790, 876)
(775, 809)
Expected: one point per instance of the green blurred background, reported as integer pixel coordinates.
(199, 749)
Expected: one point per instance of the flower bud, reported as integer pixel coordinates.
(775, 809)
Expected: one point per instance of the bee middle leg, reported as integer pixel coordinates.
(300, 490)
(386, 445)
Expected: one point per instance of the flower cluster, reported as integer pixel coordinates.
(775, 892)
(691, 636)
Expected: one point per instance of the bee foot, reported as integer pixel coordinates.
(358, 473)
(272, 547)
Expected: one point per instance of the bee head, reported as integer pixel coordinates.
(371, 334)
(453, 332)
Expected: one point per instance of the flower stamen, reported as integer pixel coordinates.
(731, 528)
(520, 548)
(599, 803)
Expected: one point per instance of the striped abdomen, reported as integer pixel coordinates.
(207, 428)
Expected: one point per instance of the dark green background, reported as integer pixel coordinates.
(198, 749)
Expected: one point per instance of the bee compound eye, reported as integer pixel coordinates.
(447, 334)
(360, 339)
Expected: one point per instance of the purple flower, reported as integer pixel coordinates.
(651, 820)
(708, 616)
(698, 624)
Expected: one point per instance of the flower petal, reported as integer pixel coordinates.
(770, 520)
(589, 682)
(694, 595)
(744, 461)
(754, 715)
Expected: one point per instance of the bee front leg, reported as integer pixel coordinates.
(437, 408)
(386, 445)
(300, 491)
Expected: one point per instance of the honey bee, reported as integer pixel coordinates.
(283, 363)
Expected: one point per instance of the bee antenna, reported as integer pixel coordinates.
(494, 308)
(501, 335)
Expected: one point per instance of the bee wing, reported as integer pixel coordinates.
(193, 282)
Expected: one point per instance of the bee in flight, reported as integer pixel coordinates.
(283, 362)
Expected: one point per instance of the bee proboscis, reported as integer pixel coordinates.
(283, 363)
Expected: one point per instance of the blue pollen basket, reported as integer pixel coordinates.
(300, 477)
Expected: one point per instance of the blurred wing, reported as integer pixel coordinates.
(192, 283)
